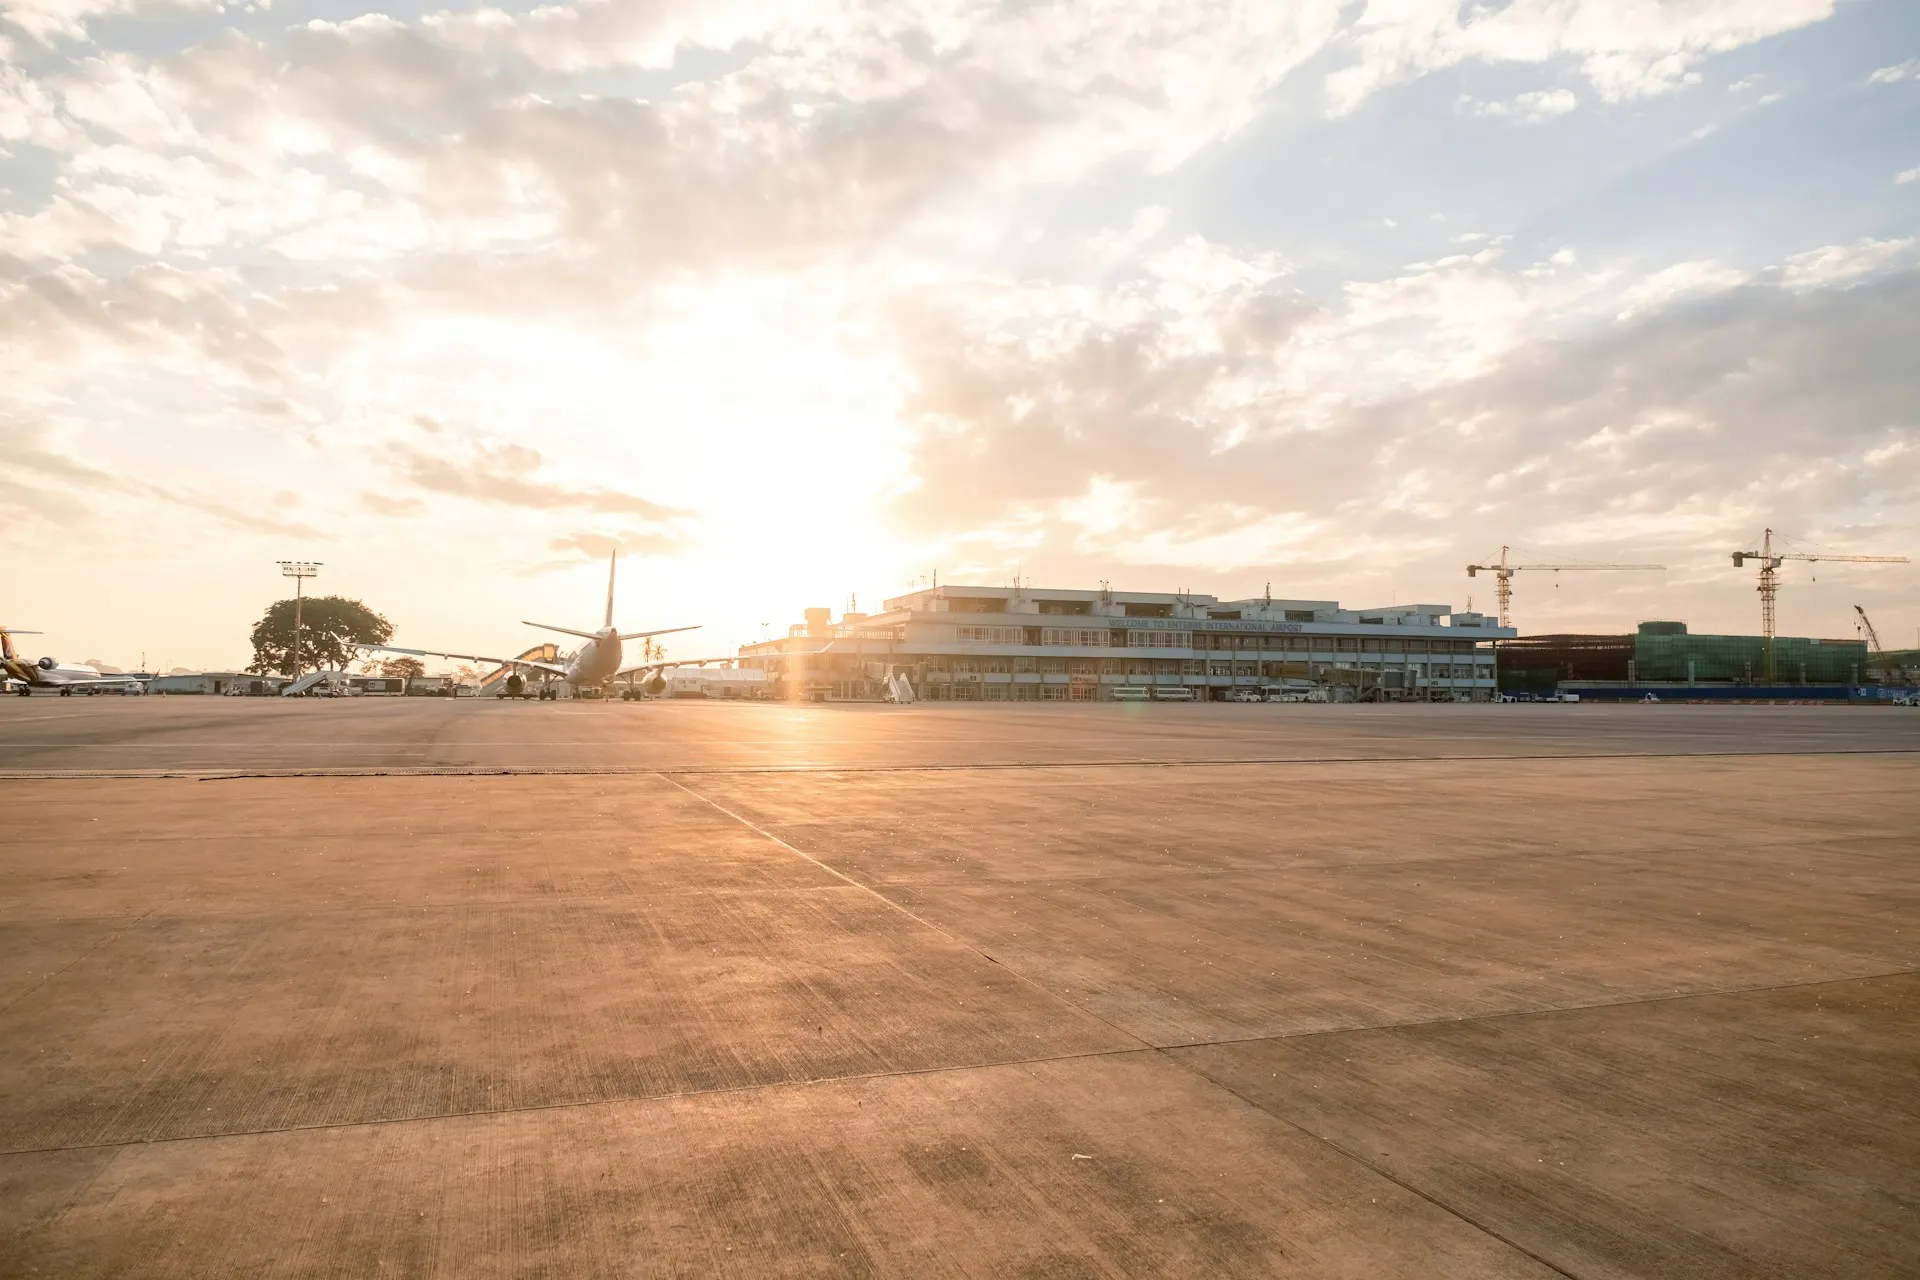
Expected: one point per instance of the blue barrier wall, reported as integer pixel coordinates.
(1737, 692)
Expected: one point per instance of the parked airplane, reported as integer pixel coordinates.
(62, 677)
(594, 665)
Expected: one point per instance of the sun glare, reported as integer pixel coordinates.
(764, 412)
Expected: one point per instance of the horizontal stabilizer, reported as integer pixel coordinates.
(566, 631)
(664, 631)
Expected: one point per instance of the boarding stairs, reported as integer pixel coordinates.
(312, 680)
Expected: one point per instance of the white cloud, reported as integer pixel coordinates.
(1905, 176)
(1680, 280)
(1836, 263)
(1112, 246)
(925, 243)
(1899, 71)
(1657, 432)
(1626, 50)
(49, 20)
(1527, 108)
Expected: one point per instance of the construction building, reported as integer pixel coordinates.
(1666, 654)
(1894, 666)
(1028, 644)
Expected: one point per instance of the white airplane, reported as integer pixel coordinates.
(594, 665)
(62, 677)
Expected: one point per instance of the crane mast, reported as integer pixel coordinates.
(1503, 577)
(1770, 562)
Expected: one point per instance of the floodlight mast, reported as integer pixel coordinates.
(299, 571)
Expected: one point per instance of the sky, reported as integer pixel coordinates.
(802, 303)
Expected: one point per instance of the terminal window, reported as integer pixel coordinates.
(1076, 636)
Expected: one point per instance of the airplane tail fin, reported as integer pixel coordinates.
(6, 642)
(612, 556)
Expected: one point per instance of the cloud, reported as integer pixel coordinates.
(381, 504)
(1661, 288)
(50, 20)
(504, 475)
(1625, 51)
(1527, 108)
(1713, 405)
(852, 248)
(45, 484)
(1907, 175)
(636, 542)
(372, 140)
(1895, 74)
(1835, 263)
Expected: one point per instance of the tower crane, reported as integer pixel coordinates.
(1503, 577)
(1770, 562)
(1866, 625)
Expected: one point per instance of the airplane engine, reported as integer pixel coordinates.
(658, 684)
(47, 664)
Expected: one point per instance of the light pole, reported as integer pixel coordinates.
(299, 571)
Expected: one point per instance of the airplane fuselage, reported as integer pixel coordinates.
(594, 665)
(47, 673)
(596, 661)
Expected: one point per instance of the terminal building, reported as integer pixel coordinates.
(1028, 644)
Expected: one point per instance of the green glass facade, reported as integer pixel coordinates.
(1663, 654)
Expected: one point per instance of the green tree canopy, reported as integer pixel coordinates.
(404, 668)
(331, 626)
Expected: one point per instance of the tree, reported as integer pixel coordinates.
(330, 628)
(404, 668)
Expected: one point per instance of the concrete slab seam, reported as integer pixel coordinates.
(1545, 1011)
(1383, 1174)
(584, 1103)
(919, 920)
(115, 936)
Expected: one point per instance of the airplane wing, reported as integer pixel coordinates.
(554, 667)
(661, 664)
(62, 680)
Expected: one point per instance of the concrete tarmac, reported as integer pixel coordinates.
(309, 989)
(111, 734)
